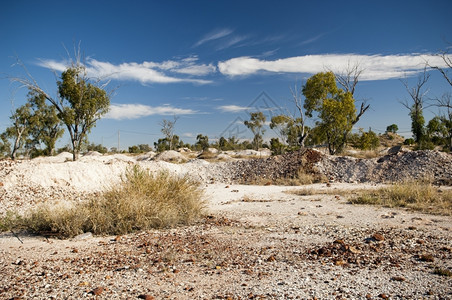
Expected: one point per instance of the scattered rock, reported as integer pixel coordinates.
(97, 291)
(146, 297)
(398, 278)
(378, 237)
(83, 236)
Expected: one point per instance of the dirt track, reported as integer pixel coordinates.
(257, 243)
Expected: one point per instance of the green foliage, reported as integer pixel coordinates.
(409, 142)
(202, 142)
(141, 202)
(289, 129)
(164, 144)
(168, 130)
(4, 145)
(80, 105)
(276, 146)
(417, 124)
(393, 128)
(316, 137)
(47, 128)
(22, 123)
(142, 148)
(439, 131)
(365, 140)
(335, 108)
(256, 124)
(99, 148)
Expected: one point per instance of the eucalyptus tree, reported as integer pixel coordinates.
(80, 102)
(256, 125)
(335, 108)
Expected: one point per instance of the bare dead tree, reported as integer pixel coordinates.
(447, 59)
(297, 99)
(416, 106)
(168, 130)
(349, 79)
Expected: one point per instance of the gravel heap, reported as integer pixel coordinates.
(400, 166)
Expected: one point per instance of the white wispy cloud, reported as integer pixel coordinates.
(231, 41)
(376, 67)
(232, 108)
(213, 35)
(136, 111)
(145, 72)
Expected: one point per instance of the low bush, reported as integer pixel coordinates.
(416, 195)
(141, 201)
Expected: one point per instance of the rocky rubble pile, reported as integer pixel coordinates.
(273, 168)
(401, 166)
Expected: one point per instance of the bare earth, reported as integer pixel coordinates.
(256, 242)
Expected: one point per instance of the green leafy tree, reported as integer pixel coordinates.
(438, 130)
(393, 128)
(4, 145)
(276, 146)
(22, 122)
(335, 108)
(80, 101)
(47, 126)
(256, 125)
(99, 148)
(80, 105)
(202, 142)
(317, 137)
(164, 144)
(34, 123)
(367, 140)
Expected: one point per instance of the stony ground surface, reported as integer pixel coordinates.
(256, 242)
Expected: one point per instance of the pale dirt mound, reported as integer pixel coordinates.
(25, 183)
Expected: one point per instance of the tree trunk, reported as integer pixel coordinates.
(16, 144)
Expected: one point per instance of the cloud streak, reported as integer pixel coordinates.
(213, 35)
(136, 111)
(376, 67)
(232, 108)
(171, 71)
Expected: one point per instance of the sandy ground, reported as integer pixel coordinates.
(257, 242)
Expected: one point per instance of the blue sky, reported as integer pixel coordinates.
(212, 62)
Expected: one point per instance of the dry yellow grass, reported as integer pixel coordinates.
(142, 201)
(415, 195)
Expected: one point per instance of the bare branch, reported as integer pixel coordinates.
(350, 77)
(447, 59)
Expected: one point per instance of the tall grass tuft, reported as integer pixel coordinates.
(141, 201)
(416, 195)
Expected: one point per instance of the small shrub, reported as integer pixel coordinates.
(442, 272)
(141, 201)
(9, 221)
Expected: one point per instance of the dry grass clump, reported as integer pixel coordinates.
(442, 272)
(141, 201)
(416, 195)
